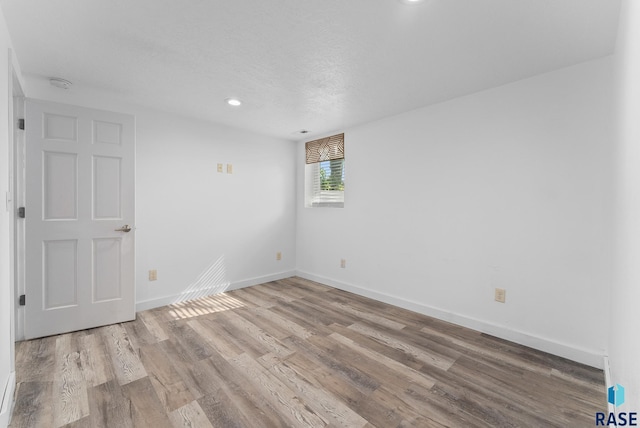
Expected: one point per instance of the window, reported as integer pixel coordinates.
(324, 172)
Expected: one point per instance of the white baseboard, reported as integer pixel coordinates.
(589, 357)
(208, 291)
(6, 406)
(608, 382)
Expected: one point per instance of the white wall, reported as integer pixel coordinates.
(624, 346)
(505, 188)
(202, 230)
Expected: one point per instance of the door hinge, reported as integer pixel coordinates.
(21, 212)
(23, 300)
(21, 124)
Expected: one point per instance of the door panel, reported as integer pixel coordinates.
(60, 283)
(79, 189)
(107, 133)
(107, 179)
(60, 185)
(57, 127)
(107, 253)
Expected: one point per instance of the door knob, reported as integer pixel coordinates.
(125, 228)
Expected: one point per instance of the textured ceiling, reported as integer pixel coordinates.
(321, 65)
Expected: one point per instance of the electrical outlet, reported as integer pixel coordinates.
(278, 255)
(229, 168)
(153, 275)
(220, 167)
(501, 295)
(343, 263)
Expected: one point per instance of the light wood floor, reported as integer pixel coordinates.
(295, 353)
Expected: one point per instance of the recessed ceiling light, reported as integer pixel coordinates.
(411, 1)
(59, 83)
(233, 102)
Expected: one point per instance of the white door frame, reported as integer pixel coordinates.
(17, 166)
(18, 223)
(16, 104)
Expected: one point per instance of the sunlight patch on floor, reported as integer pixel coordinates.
(204, 305)
(206, 294)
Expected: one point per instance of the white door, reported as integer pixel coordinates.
(79, 195)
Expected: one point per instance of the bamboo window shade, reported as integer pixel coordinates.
(325, 149)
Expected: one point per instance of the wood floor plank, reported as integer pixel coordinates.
(146, 408)
(405, 387)
(289, 289)
(138, 333)
(36, 359)
(222, 409)
(490, 353)
(96, 367)
(265, 323)
(324, 358)
(203, 306)
(407, 414)
(198, 382)
(377, 319)
(501, 412)
(125, 361)
(579, 395)
(109, 407)
(347, 297)
(431, 358)
(399, 368)
(152, 324)
(295, 353)
(237, 398)
(259, 335)
(345, 390)
(71, 402)
(472, 378)
(277, 393)
(248, 295)
(311, 285)
(322, 311)
(283, 322)
(367, 342)
(578, 380)
(81, 423)
(300, 318)
(219, 342)
(196, 348)
(169, 387)
(234, 336)
(325, 378)
(190, 415)
(333, 410)
(419, 339)
(522, 393)
(33, 405)
(277, 292)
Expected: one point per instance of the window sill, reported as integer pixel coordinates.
(326, 205)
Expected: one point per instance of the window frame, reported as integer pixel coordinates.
(328, 149)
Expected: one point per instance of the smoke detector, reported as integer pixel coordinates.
(60, 83)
